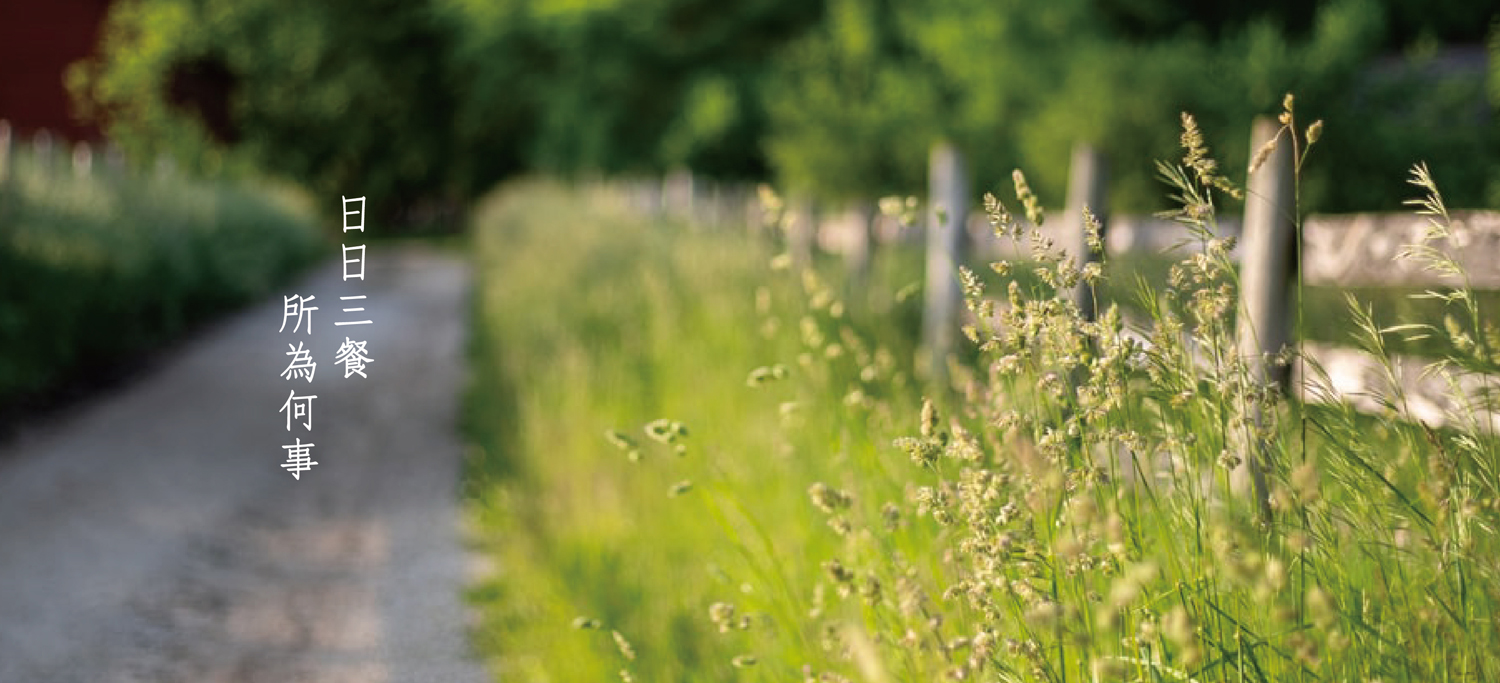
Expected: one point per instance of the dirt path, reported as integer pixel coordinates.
(152, 534)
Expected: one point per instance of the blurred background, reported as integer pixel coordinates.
(423, 106)
(429, 103)
(216, 121)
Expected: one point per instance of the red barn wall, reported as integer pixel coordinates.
(38, 40)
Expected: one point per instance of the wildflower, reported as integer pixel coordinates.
(1178, 627)
(626, 650)
(827, 498)
(722, 615)
(764, 374)
(1033, 206)
(1320, 608)
(923, 452)
(619, 440)
(891, 516)
(929, 419)
(666, 431)
(1304, 482)
(1263, 154)
(1274, 579)
(1304, 649)
(838, 572)
(1093, 231)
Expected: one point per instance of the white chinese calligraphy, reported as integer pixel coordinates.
(298, 407)
(352, 354)
(296, 308)
(302, 365)
(298, 458)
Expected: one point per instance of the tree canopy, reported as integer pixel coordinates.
(413, 103)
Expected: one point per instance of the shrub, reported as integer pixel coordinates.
(95, 271)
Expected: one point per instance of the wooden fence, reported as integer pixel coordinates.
(47, 156)
(1338, 250)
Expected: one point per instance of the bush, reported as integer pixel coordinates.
(95, 271)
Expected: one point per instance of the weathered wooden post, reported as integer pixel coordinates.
(83, 160)
(677, 194)
(114, 160)
(947, 198)
(801, 225)
(5, 151)
(1087, 182)
(41, 151)
(1267, 263)
(861, 243)
(713, 205)
(1266, 269)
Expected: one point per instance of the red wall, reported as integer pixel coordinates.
(38, 40)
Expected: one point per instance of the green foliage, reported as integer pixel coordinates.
(850, 111)
(856, 104)
(347, 97)
(625, 86)
(431, 102)
(95, 271)
(412, 104)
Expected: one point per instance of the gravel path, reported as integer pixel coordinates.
(152, 535)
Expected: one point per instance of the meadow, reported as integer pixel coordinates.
(690, 462)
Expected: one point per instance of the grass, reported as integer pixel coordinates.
(588, 323)
(94, 271)
(689, 467)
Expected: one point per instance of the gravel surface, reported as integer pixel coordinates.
(151, 534)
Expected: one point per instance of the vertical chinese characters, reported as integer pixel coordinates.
(353, 354)
(302, 366)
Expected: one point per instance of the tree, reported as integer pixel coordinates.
(347, 97)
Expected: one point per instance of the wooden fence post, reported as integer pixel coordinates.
(948, 211)
(1266, 268)
(801, 224)
(677, 194)
(83, 160)
(114, 159)
(1087, 183)
(5, 151)
(861, 245)
(41, 151)
(1267, 262)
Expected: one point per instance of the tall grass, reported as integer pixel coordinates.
(94, 270)
(688, 467)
